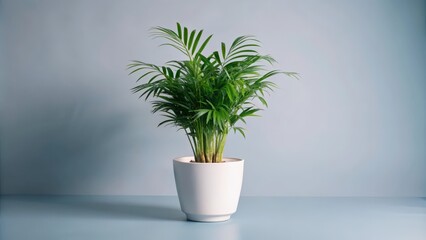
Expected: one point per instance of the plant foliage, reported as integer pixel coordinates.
(206, 95)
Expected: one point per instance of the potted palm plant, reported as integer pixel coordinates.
(206, 96)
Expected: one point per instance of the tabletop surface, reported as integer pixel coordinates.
(159, 217)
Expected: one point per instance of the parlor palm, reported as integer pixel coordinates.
(206, 95)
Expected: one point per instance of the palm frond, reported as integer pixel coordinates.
(206, 95)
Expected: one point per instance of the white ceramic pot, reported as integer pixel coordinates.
(208, 192)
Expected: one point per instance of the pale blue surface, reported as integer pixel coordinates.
(135, 217)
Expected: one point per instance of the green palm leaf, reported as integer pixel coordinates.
(206, 95)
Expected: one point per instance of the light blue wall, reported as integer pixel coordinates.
(355, 124)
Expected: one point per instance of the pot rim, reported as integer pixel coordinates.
(187, 160)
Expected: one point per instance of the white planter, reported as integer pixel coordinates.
(208, 192)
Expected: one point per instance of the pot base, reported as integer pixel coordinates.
(207, 218)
